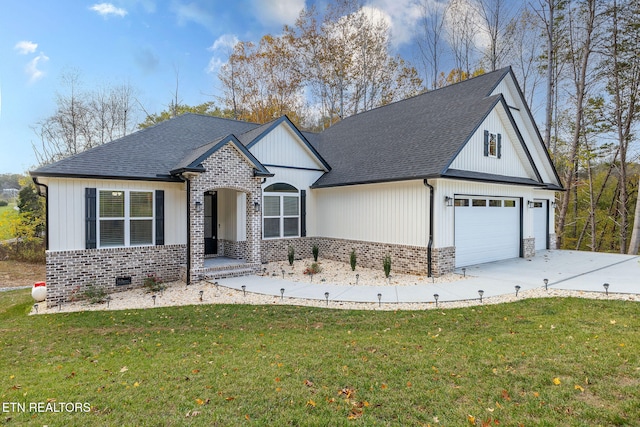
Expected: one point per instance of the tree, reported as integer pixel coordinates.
(430, 41)
(84, 119)
(462, 25)
(206, 108)
(499, 24)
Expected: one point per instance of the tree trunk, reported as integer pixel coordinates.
(635, 234)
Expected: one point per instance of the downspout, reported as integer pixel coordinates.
(430, 245)
(46, 208)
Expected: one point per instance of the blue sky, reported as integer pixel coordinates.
(142, 42)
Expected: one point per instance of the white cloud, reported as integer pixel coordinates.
(25, 47)
(192, 13)
(277, 12)
(107, 9)
(32, 69)
(220, 48)
(403, 16)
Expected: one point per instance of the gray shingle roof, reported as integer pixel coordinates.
(410, 139)
(149, 153)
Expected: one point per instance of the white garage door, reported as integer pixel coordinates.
(540, 223)
(486, 229)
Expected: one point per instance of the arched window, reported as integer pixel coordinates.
(281, 211)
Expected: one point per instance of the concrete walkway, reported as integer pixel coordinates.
(567, 270)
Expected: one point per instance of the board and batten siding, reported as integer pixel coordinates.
(66, 199)
(394, 213)
(444, 215)
(301, 179)
(512, 161)
(508, 89)
(282, 147)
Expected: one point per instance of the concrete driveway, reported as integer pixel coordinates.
(570, 270)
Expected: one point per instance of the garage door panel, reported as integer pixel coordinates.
(487, 233)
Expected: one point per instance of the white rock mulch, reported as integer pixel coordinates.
(177, 293)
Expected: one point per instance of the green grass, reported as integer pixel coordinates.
(7, 213)
(283, 365)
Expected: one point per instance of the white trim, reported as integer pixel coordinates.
(126, 218)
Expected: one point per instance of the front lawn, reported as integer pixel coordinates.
(545, 362)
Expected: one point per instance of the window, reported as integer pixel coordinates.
(281, 211)
(461, 202)
(495, 203)
(479, 202)
(125, 218)
(493, 145)
(509, 203)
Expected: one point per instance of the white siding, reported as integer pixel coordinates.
(67, 209)
(282, 147)
(395, 213)
(302, 180)
(513, 161)
(527, 128)
(444, 216)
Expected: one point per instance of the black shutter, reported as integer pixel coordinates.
(303, 213)
(499, 148)
(159, 217)
(486, 143)
(90, 218)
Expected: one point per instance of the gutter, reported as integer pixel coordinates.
(430, 244)
(44, 194)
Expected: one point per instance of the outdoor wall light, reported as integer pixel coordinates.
(201, 294)
(435, 297)
(244, 290)
(448, 201)
(326, 297)
(153, 297)
(480, 292)
(546, 284)
(281, 294)
(606, 288)
(198, 206)
(517, 289)
(379, 300)
(530, 203)
(256, 206)
(553, 204)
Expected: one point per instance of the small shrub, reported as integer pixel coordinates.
(315, 252)
(153, 283)
(4, 203)
(313, 269)
(291, 254)
(386, 264)
(95, 294)
(352, 259)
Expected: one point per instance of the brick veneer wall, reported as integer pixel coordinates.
(529, 247)
(70, 272)
(404, 258)
(553, 241)
(443, 260)
(226, 168)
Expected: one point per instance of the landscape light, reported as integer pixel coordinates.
(326, 297)
(480, 292)
(435, 297)
(244, 290)
(517, 289)
(283, 273)
(153, 297)
(606, 288)
(60, 305)
(464, 272)
(217, 285)
(379, 300)
(546, 283)
(201, 294)
(357, 278)
(108, 302)
(281, 294)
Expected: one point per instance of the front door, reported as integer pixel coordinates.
(211, 223)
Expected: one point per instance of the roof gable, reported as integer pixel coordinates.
(280, 143)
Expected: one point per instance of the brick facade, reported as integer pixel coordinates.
(70, 272)
(443, 260)
(404, 258)
(528, 247)
(553, 241)
(226, 168)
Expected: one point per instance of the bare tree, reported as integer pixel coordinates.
(83, 119)
(461, 24)
(497, 20)
(431, 40)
